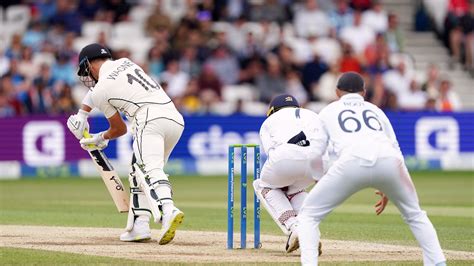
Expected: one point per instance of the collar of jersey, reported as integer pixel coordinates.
(352, 96)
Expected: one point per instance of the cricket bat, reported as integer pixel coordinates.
(110, 177)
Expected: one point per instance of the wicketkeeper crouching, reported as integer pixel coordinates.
(122, 86)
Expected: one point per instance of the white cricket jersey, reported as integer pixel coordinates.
(123, 86)
(284, 124)
(358, 128)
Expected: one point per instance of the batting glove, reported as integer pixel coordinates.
(95, 141)
(77, 123)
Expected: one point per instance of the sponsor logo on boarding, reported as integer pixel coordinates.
(214, 142)
(43, 143)
(436, 137)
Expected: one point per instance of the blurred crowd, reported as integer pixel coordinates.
(206, 53)
(453, 21)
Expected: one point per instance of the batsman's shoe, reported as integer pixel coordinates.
(320, 249)
(170, 224)
(292, 243)
(140, 232)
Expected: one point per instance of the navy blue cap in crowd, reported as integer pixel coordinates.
(350, 82)
(282, 101)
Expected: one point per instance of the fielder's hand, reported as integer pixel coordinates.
(77, 123)
(380, 205)
(95, 141)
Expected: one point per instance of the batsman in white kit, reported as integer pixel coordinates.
(368, 155)
(293, 140)
(121, 86)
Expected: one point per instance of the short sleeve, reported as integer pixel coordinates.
(100, 100)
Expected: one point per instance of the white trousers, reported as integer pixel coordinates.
(343, 179)
(289, 166)
(153, 141)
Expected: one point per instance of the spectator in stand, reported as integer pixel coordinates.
(432, 82)
(295, 87)
(286, 56)
(311, 19)
(349, 61)
(63, 70)
(225, 65)
(270, 35)
(358, 35)
(448, 100)
(324, 90)
(88, 9)
(156, 63)
(64, 103)
(208, 81)
(189, 62)
(34, 36)
(10, 92)
(67, 16)
(26, 66)
(328, 48)
(342, 16)
(376, 93)
(251, 69)
(412, 100)
(44, 77)
(377, 56)
(15, 48)
(174, 9)
(251, 48)
(176, 79)
(55, 37)
(269, 10)
(158, 21)
(19, 85)
(190, 103)
(393, 35)
(361, 4)
(4, 63)
(271, 82)
(375, 18)
(6, 110)
(41, 97)
(467, 22)
(397, 81)
(312, 72)
(116, 10)
(68, 48)
(454, 29)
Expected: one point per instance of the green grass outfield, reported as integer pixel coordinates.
(448, 197)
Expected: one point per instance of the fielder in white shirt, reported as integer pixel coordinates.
(294, 141)
(368, 155)
(121, 86)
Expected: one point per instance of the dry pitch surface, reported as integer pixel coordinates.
(197, 247)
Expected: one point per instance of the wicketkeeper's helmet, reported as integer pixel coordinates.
(280, 102)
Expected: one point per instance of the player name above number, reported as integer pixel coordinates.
(124, 66)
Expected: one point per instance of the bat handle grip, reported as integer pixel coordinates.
(87, 135)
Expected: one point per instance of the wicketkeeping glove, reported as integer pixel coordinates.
(77, 123)
(95, 141)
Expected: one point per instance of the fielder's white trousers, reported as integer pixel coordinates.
(343, 179)
(290, 166)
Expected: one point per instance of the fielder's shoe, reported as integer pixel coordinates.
(170, 224)
(140, 232)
